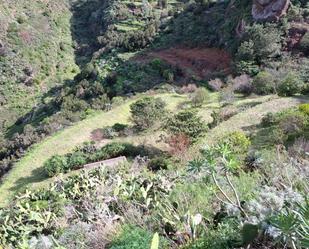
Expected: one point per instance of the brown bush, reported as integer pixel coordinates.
(227, 112)
(191, 88)
(215, 85)
(242, 84)
(227, 95)
(300, 148)
(179, 143)
(292, 124)
(97, 135)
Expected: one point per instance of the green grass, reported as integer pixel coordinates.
(28, 172)
(35, 38)
(248, 120)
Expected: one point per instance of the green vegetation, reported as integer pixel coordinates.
(145, 112)
(186, 122)
(219, 167)
(28, 171)
(36, 54)
(131, 238)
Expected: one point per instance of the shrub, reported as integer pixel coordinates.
(110, 150)
(215, 85)
(146, 111)
(242, 84)
(186, 122)
(119, 149)
(199, 97)
(55, 165)
(286, 125)
(304, 43)
(222, 115)
(237, 141)
(119, 127)
(269, 119)
(225, 236)
(178, 143)
(299, 148)
(76, 159)
(263, 83)
(190, 88)
(108, 132)
(292, 123)
(131, 237)
(158, 163)
(290, 85)
(227, 95)
(304, 108)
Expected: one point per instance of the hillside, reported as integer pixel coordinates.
(154, 124)
(36, 54)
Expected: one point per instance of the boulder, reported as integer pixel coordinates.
(269, 9)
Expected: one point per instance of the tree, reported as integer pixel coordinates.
(186, 122)
(146, 111)
(261, 42)
(264, 83)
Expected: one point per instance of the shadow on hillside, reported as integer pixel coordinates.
(37, 175)
(85, 27)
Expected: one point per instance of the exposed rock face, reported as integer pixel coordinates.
(269, 9)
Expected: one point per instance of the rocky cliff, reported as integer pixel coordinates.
(269, 9)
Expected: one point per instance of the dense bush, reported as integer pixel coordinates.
(290, 85)
(147, 111)
(76, 160)
(88, 154)
(158, 163)
(55, 165)
(237, 141)
(304, 108)
(186, 122)
(285, 126)
(261, 42)
(131, 237)
(242, 84)
(263, 83)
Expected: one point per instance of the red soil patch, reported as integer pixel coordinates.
(199, 62)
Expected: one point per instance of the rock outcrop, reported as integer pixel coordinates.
(269, 9)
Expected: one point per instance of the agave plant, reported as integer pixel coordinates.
(293, 225)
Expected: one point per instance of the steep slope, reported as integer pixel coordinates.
(36, 53)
